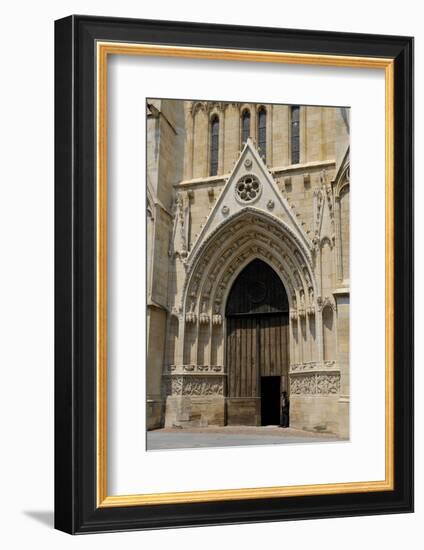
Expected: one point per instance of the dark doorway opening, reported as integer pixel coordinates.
(257, 346)
(270, 400)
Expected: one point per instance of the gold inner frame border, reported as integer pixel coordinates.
(103, 50)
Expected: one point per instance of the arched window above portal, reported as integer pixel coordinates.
(295, 134)
(262, 131)
(214, 145)
(245, 126)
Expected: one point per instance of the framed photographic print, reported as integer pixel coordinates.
(234, 256)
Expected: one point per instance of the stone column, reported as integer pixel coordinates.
(319, 336)
(269, 135)
(188, 147)
(303, 135)
(339, 266)
(342, 301)
(179, 352)
(299, 339)
(221, 148)
(200, 146)
(156, 324)
(253, 125)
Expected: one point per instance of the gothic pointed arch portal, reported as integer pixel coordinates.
(256, 347)
(198, 382)
(251, 223)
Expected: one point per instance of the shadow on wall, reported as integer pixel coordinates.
(46, 517)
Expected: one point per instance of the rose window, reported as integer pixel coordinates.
(248, 188)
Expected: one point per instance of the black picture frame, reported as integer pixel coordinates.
(76, 509)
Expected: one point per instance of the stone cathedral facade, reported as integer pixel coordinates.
(247, 265)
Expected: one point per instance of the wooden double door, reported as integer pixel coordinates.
(257, 347)
(257, 365)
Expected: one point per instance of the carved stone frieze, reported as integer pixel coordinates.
(305, 384)
(195, 385)
(315, 384)
(328, 384)
(203, 386)
(176, 385)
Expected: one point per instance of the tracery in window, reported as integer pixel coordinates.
(245, 126)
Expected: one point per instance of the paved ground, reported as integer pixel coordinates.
(182, 438)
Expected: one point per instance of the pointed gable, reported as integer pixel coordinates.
(250, 184)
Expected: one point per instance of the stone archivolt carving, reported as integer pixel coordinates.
(240, 260)
(224, 255)
(249, 214)
(217, 262)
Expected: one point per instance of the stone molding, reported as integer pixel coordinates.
(210, 370)
(313, 366)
